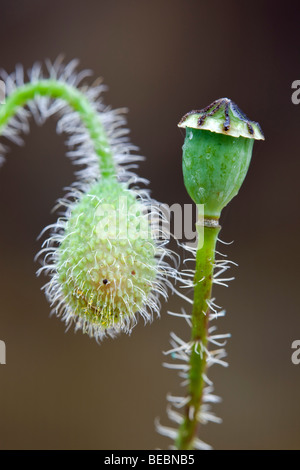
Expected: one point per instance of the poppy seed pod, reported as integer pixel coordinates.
(216, 153)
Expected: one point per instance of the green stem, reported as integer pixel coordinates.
(77, 101)
(203, 279)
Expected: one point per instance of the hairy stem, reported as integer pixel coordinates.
(203, 279)
(77, 101)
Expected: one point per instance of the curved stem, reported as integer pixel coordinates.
(76, 100)
(203, 279)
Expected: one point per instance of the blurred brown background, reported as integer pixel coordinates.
(160, 59)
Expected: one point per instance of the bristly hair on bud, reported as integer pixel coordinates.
(106, 255)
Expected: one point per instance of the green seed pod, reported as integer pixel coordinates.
(216, 153)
